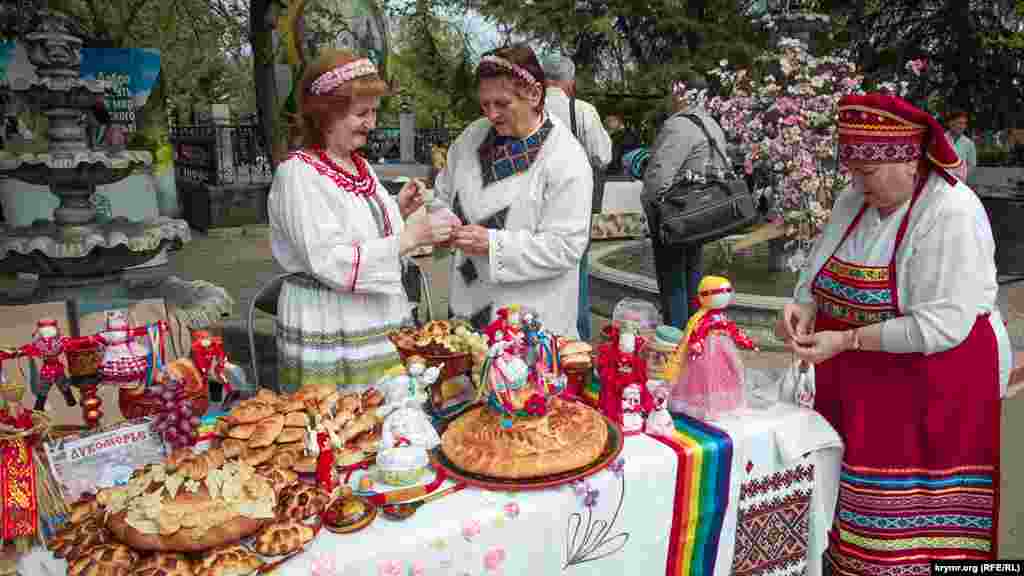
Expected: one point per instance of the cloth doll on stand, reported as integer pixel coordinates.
(125, 361)
(48, 345)
(623, 375)
(322, 442)
(706, 371)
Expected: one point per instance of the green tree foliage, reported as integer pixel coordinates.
(623, 48)
(203, 44)
(434, 65)
(973, 48)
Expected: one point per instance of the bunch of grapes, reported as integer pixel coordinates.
(175, 421)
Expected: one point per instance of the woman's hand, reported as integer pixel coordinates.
(821, 346)
(796, 321)
(422, 230)
(410, 197)
(473, 240)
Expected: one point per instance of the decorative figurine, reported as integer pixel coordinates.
(621, 367)
(125, 361)
(507, 327)
(322, 442)
(659, 422)
(211, 360)
(706, 371)
(404, 418)
(48, 345)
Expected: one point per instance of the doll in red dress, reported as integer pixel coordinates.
(621, 368)
(48, 345)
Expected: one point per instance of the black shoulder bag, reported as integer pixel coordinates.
(598, 172)
(701, 208)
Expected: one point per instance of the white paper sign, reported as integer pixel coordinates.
(104, 459)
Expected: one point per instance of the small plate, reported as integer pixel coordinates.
(355, 524)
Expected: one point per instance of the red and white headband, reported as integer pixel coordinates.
(516, 70)
(337, 76)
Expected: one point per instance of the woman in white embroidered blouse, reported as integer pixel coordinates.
(332, 221)
(896, 311)
(521, 183)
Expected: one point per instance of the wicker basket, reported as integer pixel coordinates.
(84, 357)
(135, 403)
(453, 365)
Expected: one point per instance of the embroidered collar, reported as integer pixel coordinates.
(361, 183)
(502, 156)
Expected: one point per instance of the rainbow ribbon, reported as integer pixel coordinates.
(702, 495)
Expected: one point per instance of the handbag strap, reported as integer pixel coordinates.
(711, 141)
(572, 115)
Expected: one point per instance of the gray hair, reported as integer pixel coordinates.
(559, 68)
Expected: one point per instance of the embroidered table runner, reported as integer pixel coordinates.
(753, 494)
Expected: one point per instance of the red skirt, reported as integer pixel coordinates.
(920, 473)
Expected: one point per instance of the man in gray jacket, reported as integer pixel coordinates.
(680, 146)
(560, 76)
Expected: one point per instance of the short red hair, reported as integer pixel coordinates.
(318, 111)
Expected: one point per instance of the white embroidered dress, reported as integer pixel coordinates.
(341, 231)
(545, 182)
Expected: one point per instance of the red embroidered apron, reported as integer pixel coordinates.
(920, 472)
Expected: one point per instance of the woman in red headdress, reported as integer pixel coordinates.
(896, 310)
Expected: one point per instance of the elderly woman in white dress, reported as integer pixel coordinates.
(333, 222)
(520, 182)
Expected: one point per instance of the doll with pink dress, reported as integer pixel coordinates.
(706, 372)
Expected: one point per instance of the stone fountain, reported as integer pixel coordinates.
(75, 256)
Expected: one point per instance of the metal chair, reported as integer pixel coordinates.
(265, 301)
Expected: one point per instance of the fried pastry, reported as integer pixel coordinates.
(232, 447)
(300, 501)
(283, 538)
(242, 431)
(105, 560)
(267, 431)
(165, 564)
(231, 561)
(296, 419)
(256, 456)
(250, 412)
(289, 435)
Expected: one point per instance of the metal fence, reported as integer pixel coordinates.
(221, 154)
(384, 144)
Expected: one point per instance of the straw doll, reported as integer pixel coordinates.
(706, 371)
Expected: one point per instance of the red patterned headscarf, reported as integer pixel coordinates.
(884, 128)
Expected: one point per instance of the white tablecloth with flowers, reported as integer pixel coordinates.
(612, 523)
(619, 521)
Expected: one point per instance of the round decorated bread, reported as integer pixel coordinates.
(569, 437)
(165, 511)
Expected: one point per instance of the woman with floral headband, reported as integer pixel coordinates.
(334, 223)
(680, 149)
(897, 312)
(521, 183)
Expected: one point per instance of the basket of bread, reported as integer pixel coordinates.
(452, 345)
(139, 402)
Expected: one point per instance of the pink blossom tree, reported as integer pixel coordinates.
(782, 115)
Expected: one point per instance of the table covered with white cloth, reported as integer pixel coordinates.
(770, 518)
